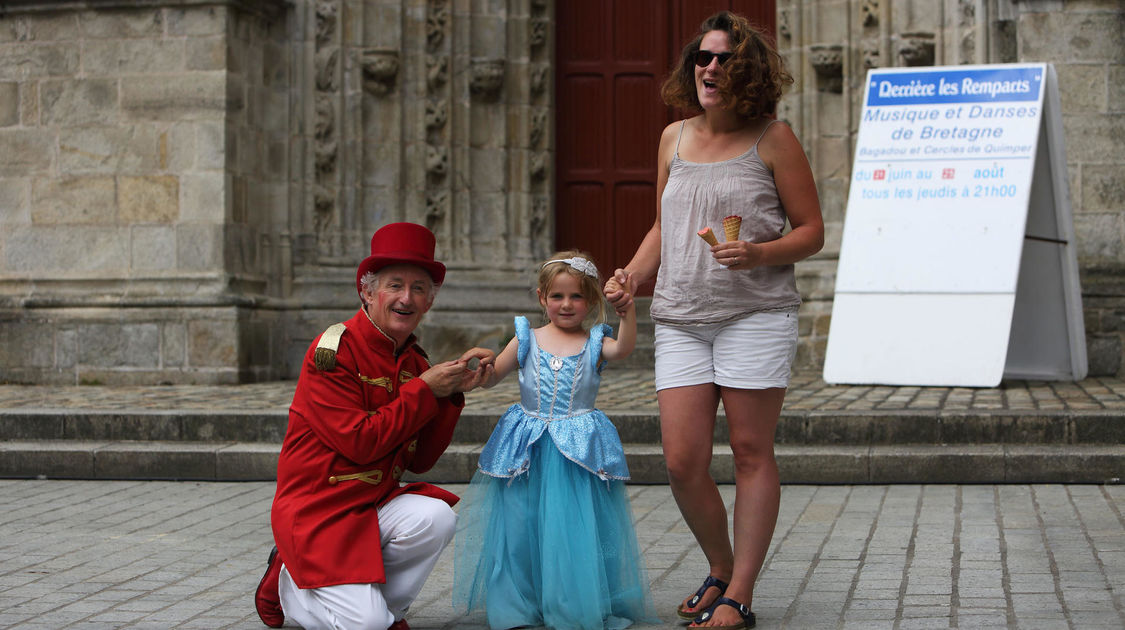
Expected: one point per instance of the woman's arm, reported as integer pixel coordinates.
(796, 189)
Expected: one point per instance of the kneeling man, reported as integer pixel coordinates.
(354, 546)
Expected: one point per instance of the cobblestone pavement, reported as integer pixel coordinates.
(630, 389)
(104, 554)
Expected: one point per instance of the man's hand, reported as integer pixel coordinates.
(457, 376)
(619, 290)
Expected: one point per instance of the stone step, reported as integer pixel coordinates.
(796, 427)
(811, 464)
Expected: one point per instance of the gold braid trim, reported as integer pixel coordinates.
(325, 356)
(382, 381)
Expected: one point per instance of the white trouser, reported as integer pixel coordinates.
(413, 532)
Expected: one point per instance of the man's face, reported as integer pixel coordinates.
(401, 297)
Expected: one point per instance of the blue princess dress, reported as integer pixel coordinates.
(546, 533)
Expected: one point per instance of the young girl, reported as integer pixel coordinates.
(546, 534)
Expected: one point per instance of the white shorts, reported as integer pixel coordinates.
(755, 352)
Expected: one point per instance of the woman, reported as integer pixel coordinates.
(726, 315)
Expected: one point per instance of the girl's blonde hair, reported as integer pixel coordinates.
(590, 286)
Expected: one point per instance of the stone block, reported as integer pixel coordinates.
(201, 21)
(1103, 187)
(73, 201)
(198, 247)
(1100, 236)
(54, 27)
(48, 459)
(109, 150)
(792, 428)
(1098, 428)
(204, 198)
(9, 103)
(206, 53)
(65, 250)
(822, 464)
(65, 102)
(212, 343)
(123, 24)
(152, 460)
(29, 105)
(15, 198)
(829, 428)
(152, 56)
(1094, 138)
(904, 428)
(1038, 36)
(151, 199)
(1104, 354)
(192, 96)
(1035, 429)
(127, 426)
(27, 342)
(1082, 87)
(487, 170)
(31, 425)
(261, 427)
(119, 345)
(25, 151)
(247, 462)
(173, 344)
(1116, 98)
(1096, 37)
(970, 428)
(153, 248)
(66, 348)
(1072, 464)
(21, 62)
(937, 464)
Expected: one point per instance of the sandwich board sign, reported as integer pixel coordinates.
(957, 264)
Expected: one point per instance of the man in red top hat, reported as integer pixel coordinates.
(354, 545)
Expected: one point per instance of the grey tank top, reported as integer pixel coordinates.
(691, 287)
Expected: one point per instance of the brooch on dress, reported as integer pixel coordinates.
(555, 363)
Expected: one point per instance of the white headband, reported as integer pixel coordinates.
(581, 264)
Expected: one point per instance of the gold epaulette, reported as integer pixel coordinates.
(325, 356)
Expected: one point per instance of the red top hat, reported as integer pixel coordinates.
(401, 244)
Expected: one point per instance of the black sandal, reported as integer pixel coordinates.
(748, 619)
(711, 580)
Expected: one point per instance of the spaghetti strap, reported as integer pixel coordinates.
(764, 130)
(678, 136)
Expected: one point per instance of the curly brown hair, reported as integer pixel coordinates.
(753, 78)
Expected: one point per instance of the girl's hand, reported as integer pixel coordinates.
(619, 290)
(738, 254)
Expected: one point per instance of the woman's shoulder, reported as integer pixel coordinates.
(777, 139)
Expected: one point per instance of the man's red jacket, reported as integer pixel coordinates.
(353, 430)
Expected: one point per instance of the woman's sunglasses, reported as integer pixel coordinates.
(703, 57)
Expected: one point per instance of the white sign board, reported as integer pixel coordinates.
(957, 264)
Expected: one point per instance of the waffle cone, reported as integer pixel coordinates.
(731, 226)
(709, 236)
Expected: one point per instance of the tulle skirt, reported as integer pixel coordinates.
(554, 547)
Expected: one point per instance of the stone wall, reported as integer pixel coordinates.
(830, 44)
(139, 141)
(187, 185)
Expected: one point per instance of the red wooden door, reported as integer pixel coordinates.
(611, 57)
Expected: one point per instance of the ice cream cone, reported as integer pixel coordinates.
(709, 236)
(731, 226)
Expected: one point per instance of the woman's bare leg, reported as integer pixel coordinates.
(752, 416)
(687, 422)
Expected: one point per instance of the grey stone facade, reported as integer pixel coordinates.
(187, 185)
